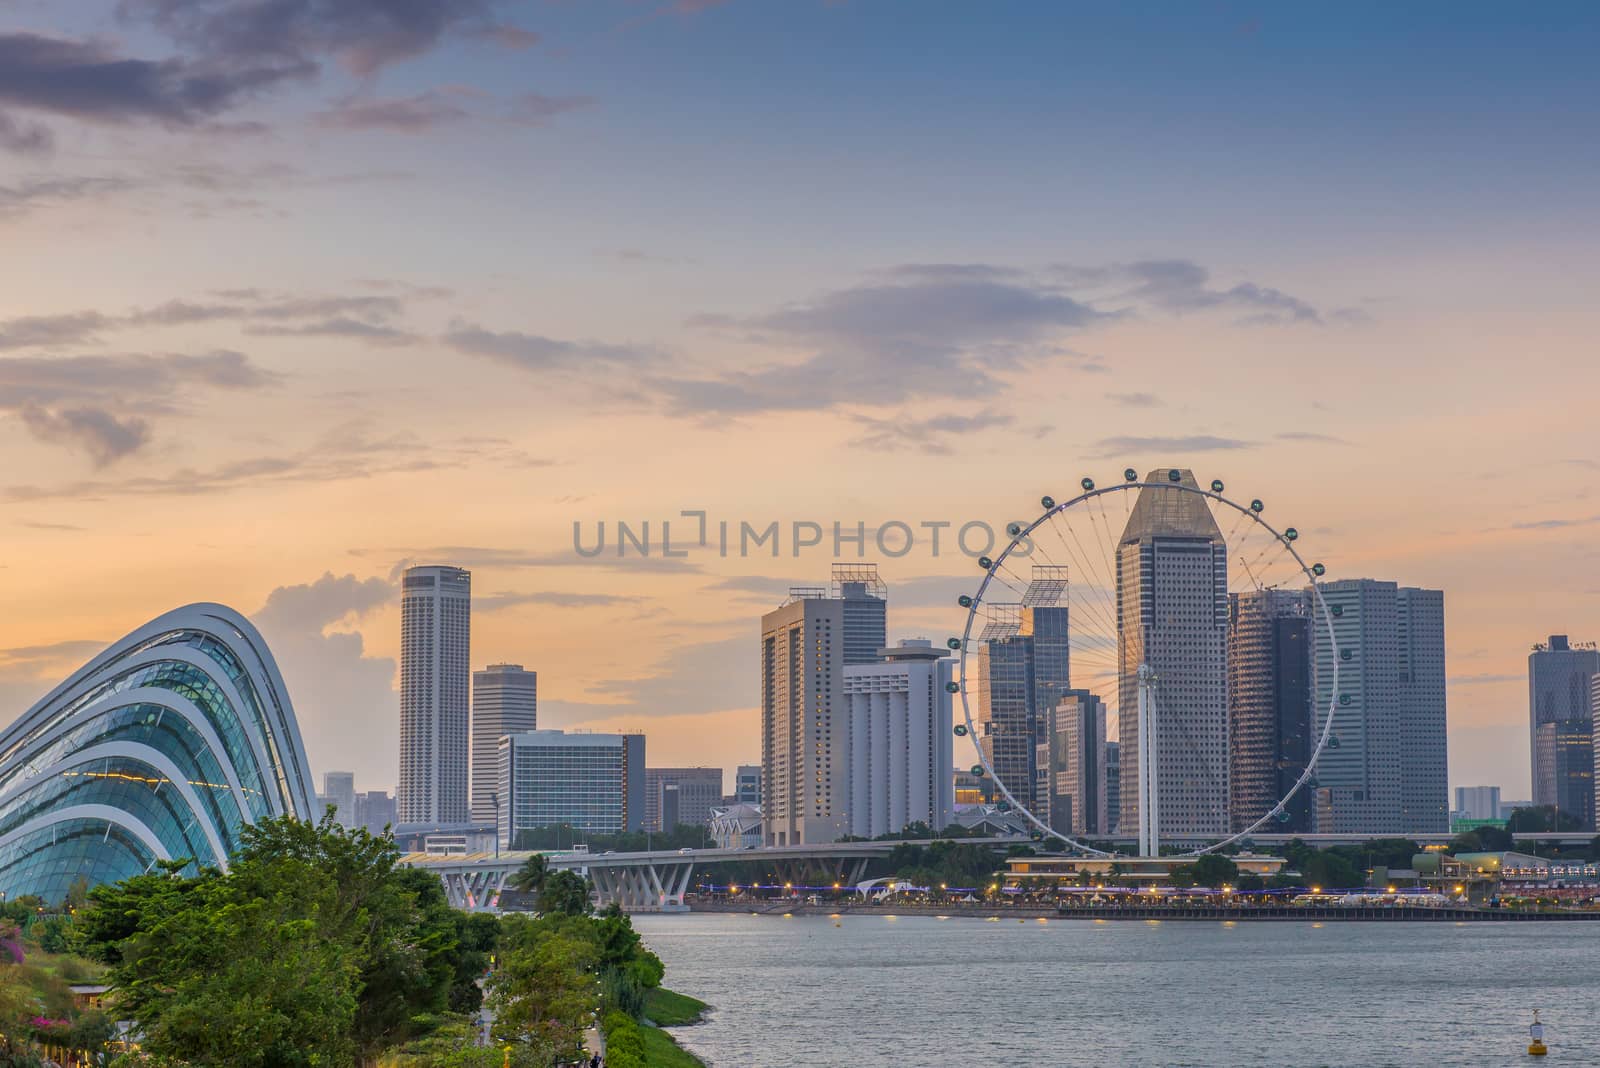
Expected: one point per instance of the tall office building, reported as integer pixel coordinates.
(804, 755)
(593, 783)
(339, 788)
(866, 610)
(435, 674)
(1563, 752)
(1172, 616)
(746, 785)
(505, 700)
(1559, 675)
(1024, 666)
(1113, 788)
(900, 743)
(1388, 713)
(680, 795)
(1478, 802)
(1074, 755)
(1269, 706)
(375, 811)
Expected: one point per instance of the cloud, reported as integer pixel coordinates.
(1484, 680)
(32, 193)
(1118, 446)
(94, 430)
(510, 37)
(931, 435)
(1556, 524)
(145, 380)
(344, 699)
(86, 80)
(28, 672)
(536, 109)
(532, 352)
(412, 114)
(471, 556)
(1310, 437)
(1181, 286)
(688, 679)
(1134, 400)
(31, 331)
(341, 326)
(24, 138)
(495, 602)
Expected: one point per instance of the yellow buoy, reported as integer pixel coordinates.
(1536, 1046)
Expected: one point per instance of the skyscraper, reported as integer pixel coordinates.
(747, 784)
(680, 795)
(505, 700)
(1563, 752)
(1076, 763)
(1113, 788)
(1388, 713)
(590, 782)
(1558, 689)
(339, 787)
(901, 746)
(1478, 802)
(866, 607)
(1172, 620)
(435, 673)
(1023, 668)
(804, 756)
(1269, 706)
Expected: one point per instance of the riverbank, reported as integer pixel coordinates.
(1023, 913)
(665, 1008)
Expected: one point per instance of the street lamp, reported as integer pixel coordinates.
(494, 799)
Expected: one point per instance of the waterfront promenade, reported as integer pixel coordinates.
(1022, 912)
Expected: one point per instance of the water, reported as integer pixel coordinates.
(919, 991)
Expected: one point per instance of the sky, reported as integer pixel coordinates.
(295, 293)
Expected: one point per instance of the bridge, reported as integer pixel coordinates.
(657, 881)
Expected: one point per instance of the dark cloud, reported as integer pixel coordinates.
(953, 272)
(293, 36)
(86, 80)
(148, 381)
(342, 326)
(531, 352)
(1121, 446)
(1135, 400)
(511, 37)
(936, 435)
(1556, 524)
(95, 431)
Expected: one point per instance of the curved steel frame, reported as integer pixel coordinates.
(1125, 487)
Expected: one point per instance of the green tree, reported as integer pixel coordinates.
(564, 893)
(1214, 869)
(1542, 819)
(531, 876)
(544, 992)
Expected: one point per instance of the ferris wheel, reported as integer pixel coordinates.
(1168, 617)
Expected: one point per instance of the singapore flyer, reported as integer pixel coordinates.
(1177, 623)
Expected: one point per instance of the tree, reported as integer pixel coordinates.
(1542, 819)
(544, 991)
(1214, 869)
(531, 876)
(565, 893)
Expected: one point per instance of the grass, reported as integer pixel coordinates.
(662, 1052)
(666, 1008)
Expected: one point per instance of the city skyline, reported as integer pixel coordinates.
(414, 305)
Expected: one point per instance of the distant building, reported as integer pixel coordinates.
(1560, 678)
(804, 740)
(680, 795)
(866, 609)
(1113, 787)
(505, 700)
(971, 790)
(1172, 615)
(1563, 752)
(1023, 668)
(1478, 802)
(1269, 707)
(746, 785)
(1387, 773)
(435, 679)
(375, 811)
(591, 782)
(736, 826)
(900, 740)
(339, 788)
(1074, 755)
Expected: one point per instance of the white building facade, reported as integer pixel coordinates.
(590, 782)
(435, 680)
(505, 700)
(900, 741)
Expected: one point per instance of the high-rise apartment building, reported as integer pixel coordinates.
(339, 788)
(1023, 667)
(1559, 679)
(435, 675)
(900, 741)
(1172, 619)
(680, 795)
(1563, 751)
(1269, 707)
(1386, 774)
(505, 700)
(866, 610)
(375, 811)
(593, 783)
(1074, 756)
(804, 754)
